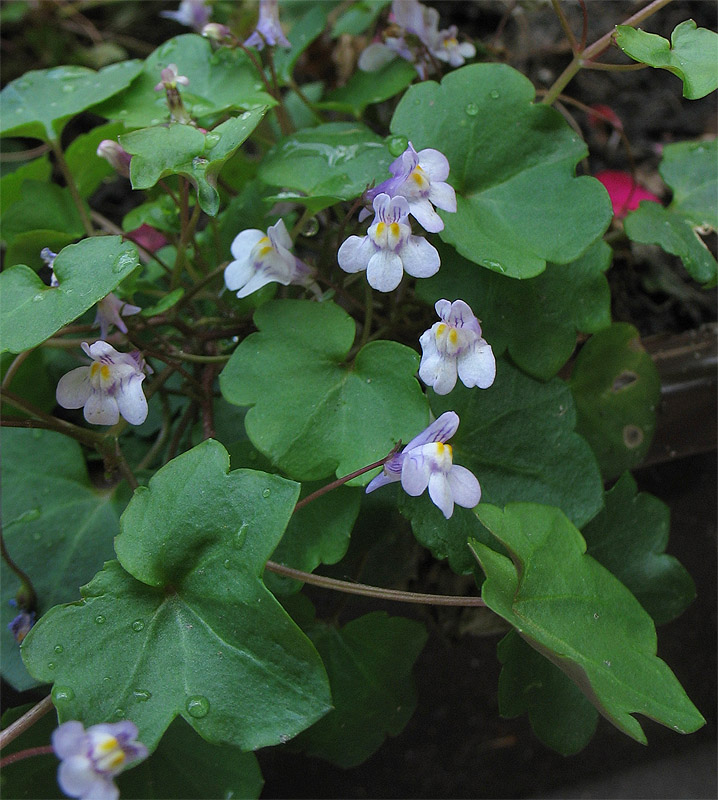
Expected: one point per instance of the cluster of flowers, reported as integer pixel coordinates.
(415, 37)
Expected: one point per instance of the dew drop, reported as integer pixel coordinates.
(472, 109)
(154, 122)
(197, 706)
(494, 95)
(62, 694)
(596, 615)
(199, 163)
(119, 713)
(244, 116)
(123, 112)
(29, 515)
(212, 139)
(310, 227)
(266, 492)
(138, 625)
(142, 695)
(99, 619)
(397, 145)
(58, 648)
(284, 738)
(607, 663)
(241, 536)
(51, 665)
(227, 563)
(37, 298)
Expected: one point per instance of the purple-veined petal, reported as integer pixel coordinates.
(464, 486)
(477, 365)
(423, 212)
(237, 273)
(279, 235)
(440, 493)
(443, 196)
(434, 163)
(384, 271)
(460, 314)
(443, 379)
(131, 400)
(68, 739)
(443, 308)
(415, 473)
(101, 409)
(382, 479)
(257, 280)
(440, 430)
(390, 209)
(420, 259)
(74, 388)
(100, 349)
(374, 57)
(245, 241)
(355, 253)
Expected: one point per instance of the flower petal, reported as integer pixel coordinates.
(477, 365)
(101, 409)
(374, 57)
(434, 163)
(279, 236)
(68, 739)
(77, 778)
(440, 430)
(415, 474)
(443, 376)
(423, 212)
(382, 479)
(245, 241)
(355, 252)
(384, 271)
(420, 259)
(440, 493)
(237, 273)
(464, 486)
(443, 196)
(74, 389)
(131, 401)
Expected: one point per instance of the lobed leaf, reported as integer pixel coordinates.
(189, 629)
(578, 615)
(519, 204)
(339, 416)
(366, 88)
(86, 271)
(692, 54)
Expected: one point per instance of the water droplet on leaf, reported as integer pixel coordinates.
(119, 713)
(138, 625)
(310, 227)
(212, 139)
(37, 298)
(472, 109)
(397, 145)
(227, 563)
(99, 619)
(58, 648)
(266, 492)
(142, 695)
(62, 694)
(241, 536)
(51, 665)
(197, 706)
(494, 95)
(29, 515)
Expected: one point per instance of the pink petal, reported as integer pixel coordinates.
(624, 192)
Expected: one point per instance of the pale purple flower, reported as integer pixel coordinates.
(49, 258)
(416, 18)
(427, 461)
(192, 13)
(110, 386)
(21, 624)
(421, 179)
(110, 311)
(455, 345)
(448, 48)
(216, 32)
(389, 249)
(91, 758)
(262, 258)
(170, 77)
(269, 29)
(116, 155)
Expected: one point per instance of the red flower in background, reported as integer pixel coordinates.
(624, 192)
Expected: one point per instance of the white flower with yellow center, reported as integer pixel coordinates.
(427, 461)
(90, 759)
(454, 347)
(389, 249)
(262, 258)
(110, 386)
(447, 48)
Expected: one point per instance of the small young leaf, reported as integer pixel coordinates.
(58, 528)
(185, 150)
(616, 387)
(40, 102)
(332, 162)
(577, 614)
(339, 416)
(87, 272)
(518, 439)
(692, 54)
(689, 169)
(369, 662)
(551, 307)
(190, 629)
(519, 203)
(629, 537)
(365, 88)
(218, 81)
(559, 713)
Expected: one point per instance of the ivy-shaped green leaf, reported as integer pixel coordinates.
(689, 169)
(323, 165)
(629, 537)
(42, 207)
(189, 629)
(86, 271)
(89, 169)
(512, 162)
(692, 54)
(302, 33)
(339, 415)
(57, 527)
(366, 88)
(536, 320)
(39, 169)
(185, 150)
(560, 714)
(518, 438)
(41, 102)
(218, 81)
(577, 614)
(369, 662)
(616, 387)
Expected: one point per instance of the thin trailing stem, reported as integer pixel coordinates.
(72, 186)
(29, 595)
(14, 367)
(27, 720)
(579, 60)
(373, 591)
(565, 25)
(21, 755)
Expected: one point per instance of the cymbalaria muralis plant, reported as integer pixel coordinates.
(266, 347)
